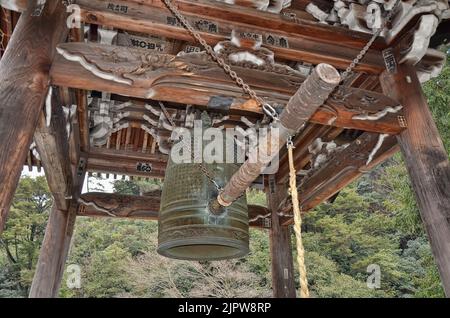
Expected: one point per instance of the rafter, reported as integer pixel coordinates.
(343, 167)
(299, 40)
(194, 79)
(144, 207)
(126, 163)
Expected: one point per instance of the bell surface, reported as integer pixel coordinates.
(187, 229)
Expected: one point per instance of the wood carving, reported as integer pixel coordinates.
(420, 40)
(298, 40)
(431, 65)
(251, 55)
(344, 166)
(146, 207)
(194, 79)
(368, 16)
(105, 204)
(274, 6)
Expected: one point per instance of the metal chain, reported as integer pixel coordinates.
(203, 168)
(268, 109)
(366, 48)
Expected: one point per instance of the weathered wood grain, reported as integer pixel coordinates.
(23, 86)
(126, 163)
(146, 207)
(343, 167)
(53, 147)
(427, 163)
(195, 79)
(305, 40)
(283, 283)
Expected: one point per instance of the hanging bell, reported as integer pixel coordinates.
(188, 228)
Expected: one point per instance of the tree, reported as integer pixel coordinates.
(23, 234)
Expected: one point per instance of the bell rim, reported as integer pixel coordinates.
(241, 249)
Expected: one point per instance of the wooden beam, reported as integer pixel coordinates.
(194, 79)
(24, 83)
(95, 204)
(300, 40)
(55, 247)
(59, 231)
(126, 163)
(53, 147)
(427, 163)
(82, 111)
(345, 166)
(307, 136)
(46, 280)
(313, 92)
(15, 5)
(283, 283)
(341, 168)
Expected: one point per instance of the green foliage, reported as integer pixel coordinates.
(438, 96)
(326, 281)
(103, 276)
(126, 187)
(23, 234)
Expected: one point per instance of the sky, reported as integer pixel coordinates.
(106, 183)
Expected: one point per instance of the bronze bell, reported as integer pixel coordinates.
(187, 228)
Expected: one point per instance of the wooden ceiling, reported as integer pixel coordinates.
(120, 128)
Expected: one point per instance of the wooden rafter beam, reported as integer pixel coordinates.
(53, 147)
(304, 40)
(24, 81)
(139, 207)
(301, 154)
(194, 79)
(126, 163)
(345, 166)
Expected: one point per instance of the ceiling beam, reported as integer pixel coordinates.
(126, 163)
(145, 207)
(194, 79)
(343, 167)
(300, 40)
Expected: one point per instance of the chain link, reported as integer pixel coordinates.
(220, 61)
(203, 168)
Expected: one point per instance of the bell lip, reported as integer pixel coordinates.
(242, 250)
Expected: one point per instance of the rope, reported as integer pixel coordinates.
(304, 291)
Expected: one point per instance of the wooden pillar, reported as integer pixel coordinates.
(427, 163)
(24, 80)
(54, 252)
(283, 284)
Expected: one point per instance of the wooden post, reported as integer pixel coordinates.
(24, 80)
(53, 254)
(427, 163)
(283, 284)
